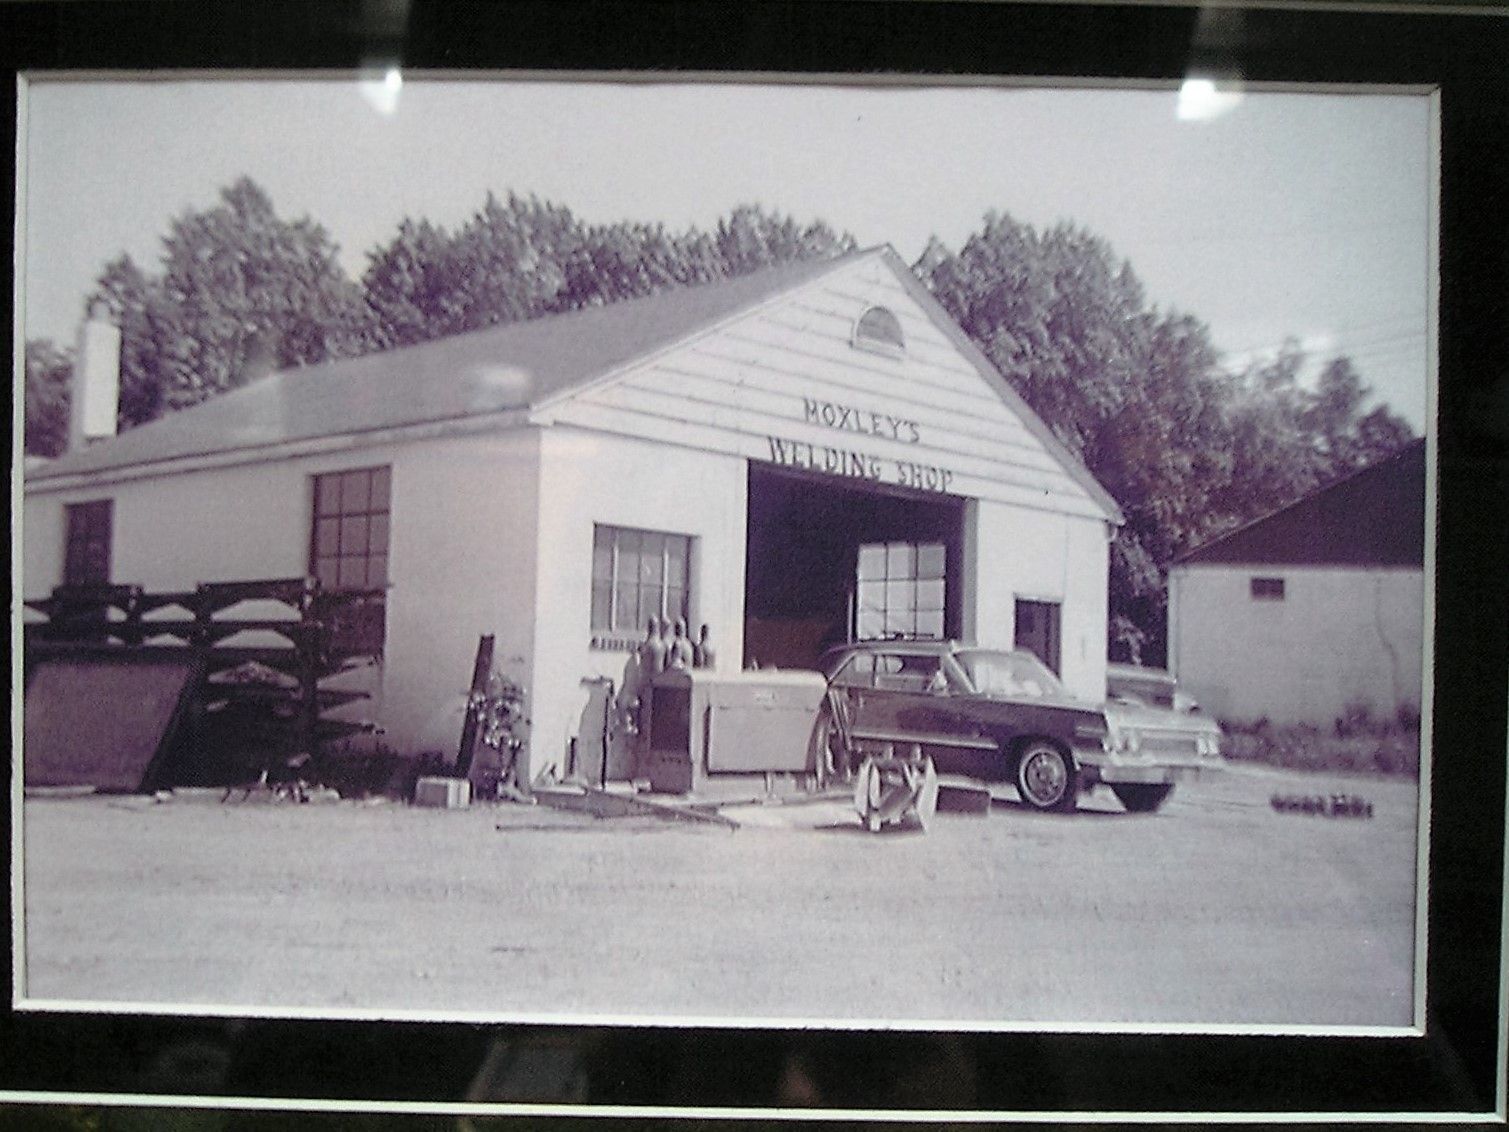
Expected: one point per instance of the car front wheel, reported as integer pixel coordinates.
(1046, 778)
(1142, 797)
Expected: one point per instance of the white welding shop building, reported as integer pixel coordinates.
(793, 458)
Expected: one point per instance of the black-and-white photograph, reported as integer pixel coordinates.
(904, 554)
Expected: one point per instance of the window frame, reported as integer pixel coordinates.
(78, 536)
(613, 585)
(913, 581)
(1055, 643)
(874, 344)
(340, 516)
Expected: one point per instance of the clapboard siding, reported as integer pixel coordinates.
(742, 388)
(723, 386)
(632, 397)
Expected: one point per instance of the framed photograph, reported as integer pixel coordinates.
(884, 561)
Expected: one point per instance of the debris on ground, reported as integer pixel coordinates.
(1332, 806)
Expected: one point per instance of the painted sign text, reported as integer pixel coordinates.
(857, 465)
(846, 418)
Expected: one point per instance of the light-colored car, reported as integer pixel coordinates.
(993, 715)
(1152, 720)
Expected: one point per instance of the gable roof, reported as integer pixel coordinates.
(1373, 517)
(514, 366)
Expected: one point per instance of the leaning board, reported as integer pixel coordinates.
(102, 720)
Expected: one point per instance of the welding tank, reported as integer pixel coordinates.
(705, 724)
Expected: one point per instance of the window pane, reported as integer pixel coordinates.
(871, 562)
(899, 622)
(898, 595)
(380, 477)
(327, 572)
(602, 606)
(377, 571)
(377, 534)
(931, 560)
(871, 625)
(626, 606)
(327, 495)
(652, 559)
(676, 554)
(901, 560)
(354, 535)
(327, 537)
(930, 623)
(356, 491)
(352, 572)
(602, 556)
(930, 594)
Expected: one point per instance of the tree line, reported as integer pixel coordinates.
(1188, 447)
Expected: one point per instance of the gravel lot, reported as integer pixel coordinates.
(1215, 910)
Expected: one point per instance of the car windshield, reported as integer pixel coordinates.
(1144, 688)
(1009, 674)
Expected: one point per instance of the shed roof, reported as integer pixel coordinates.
(1373, 517)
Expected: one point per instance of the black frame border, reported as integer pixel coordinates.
(1455, 1068)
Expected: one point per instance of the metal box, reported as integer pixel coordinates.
(443, 793)
(707, 723)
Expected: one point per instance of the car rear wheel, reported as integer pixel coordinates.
(1142, 797)
(1046, 778)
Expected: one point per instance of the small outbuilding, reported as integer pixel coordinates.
(795, 458)
(1315, 612)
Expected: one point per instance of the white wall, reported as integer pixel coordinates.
(589, 478)
(1038, 556)
(461, 555)
(1339, 637)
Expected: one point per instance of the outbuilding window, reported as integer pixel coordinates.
(1267, 589)
(86, 557)
(637, 575)
(349, 545)
(900, 589)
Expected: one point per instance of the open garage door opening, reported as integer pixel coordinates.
(828, 563)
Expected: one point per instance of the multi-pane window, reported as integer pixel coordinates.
(349, 547)
(1037, 630)
(899, 590)
(637, 575)
(86, 557)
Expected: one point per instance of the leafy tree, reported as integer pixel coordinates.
(520, 258)
(241, 292)
(48, 369)
(1187, 449)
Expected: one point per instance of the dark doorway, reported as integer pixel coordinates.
(803, 564)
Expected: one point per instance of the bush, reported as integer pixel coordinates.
(1364, 745)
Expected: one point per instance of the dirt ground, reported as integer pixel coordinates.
(1217, 910)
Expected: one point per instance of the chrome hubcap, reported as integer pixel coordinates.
(1043, 777)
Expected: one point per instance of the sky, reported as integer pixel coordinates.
(1265, 214)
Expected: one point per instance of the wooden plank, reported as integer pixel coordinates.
(482, 666)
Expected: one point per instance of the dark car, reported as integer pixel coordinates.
(983, 713)
(997, 715)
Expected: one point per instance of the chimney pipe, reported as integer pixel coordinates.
(95, 399)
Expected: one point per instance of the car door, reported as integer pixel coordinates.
(909, 697)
